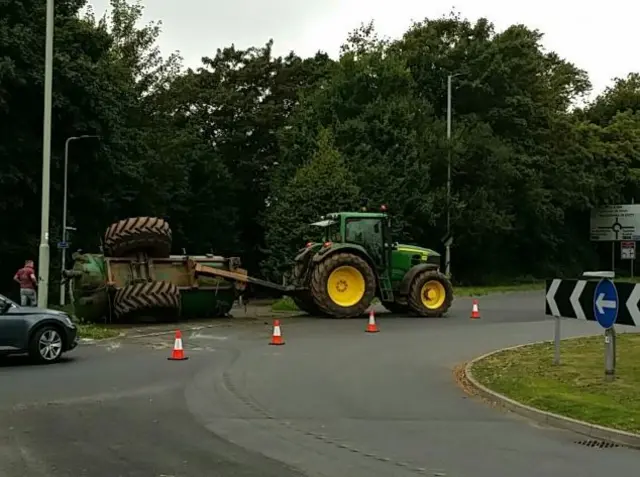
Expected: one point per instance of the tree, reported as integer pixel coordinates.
(243, 152)
(322, 185)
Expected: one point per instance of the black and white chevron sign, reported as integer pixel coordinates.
(575, 299)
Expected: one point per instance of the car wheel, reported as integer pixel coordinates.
(46, 345)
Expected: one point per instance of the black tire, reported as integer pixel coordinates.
(307, 305)
(319, 285)
(38, 350)
(150, 235)
(397, 308)
(149, 297)
(304, 301)
(415, 294)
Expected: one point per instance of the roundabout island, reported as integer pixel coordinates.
(574, 394)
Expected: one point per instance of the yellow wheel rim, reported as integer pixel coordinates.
(433, 294)
(346, 286)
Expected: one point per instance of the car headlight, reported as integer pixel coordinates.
(68, 321)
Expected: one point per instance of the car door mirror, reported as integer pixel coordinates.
(4, 307)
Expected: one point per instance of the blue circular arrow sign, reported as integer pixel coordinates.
(605, 303)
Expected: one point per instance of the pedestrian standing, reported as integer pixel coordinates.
(26, 278)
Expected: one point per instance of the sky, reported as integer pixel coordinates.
(590, 35)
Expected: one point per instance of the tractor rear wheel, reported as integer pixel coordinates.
(304, 301)
(306, 304)
(148, 300)
(150, 235)
(431, 294)
(343, 285)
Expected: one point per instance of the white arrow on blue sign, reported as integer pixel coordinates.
(605, 303)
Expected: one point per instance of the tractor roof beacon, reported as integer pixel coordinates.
(358, 260)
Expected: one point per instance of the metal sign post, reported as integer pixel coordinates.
(610, 354)
(605, 310)
(556, 342)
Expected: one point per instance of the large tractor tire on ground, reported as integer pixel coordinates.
(306, 304)
(397, 308)
(147, 300)
(343, 285)
(431, 294)
(304, 301)
(150, 235)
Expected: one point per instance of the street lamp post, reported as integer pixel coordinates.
(43, 258)
(449, 237)
(64, 211)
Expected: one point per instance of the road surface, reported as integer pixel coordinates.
(333, 402)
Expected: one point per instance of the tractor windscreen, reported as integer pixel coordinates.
(330, 230)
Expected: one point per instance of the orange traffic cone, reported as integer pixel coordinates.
(178, 353)
(276, 337)
(475, 312)
(372, 327)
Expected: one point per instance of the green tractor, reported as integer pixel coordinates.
(358, 261)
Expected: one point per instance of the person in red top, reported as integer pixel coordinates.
(26, 277)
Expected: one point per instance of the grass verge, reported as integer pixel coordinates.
(95, 332)
(284, 304)
(480, 291)
(87, 330)
(576, 388)
(287, 304)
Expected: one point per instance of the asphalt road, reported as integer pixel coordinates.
(114, 412)
(334, 402)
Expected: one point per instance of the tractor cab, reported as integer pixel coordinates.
(330, 230)
(359, 228)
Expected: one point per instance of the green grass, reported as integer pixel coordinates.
(284, 304)
(95, 332)
(287, 304)
(480, 291)
(87, 330)
(576, 388)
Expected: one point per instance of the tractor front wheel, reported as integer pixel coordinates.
(431, 294)
(343, 285)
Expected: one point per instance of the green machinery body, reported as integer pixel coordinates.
(96, 278)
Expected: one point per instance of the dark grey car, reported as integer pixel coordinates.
(41, 333)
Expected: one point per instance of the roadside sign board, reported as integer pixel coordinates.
(628, 250)
(605, 303)
(571, 298)
(615, 223)
(62, 245)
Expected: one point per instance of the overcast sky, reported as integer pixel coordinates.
(592, 35)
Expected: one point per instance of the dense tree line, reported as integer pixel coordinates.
(244, 151)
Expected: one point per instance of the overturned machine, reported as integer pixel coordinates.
(137, 278)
